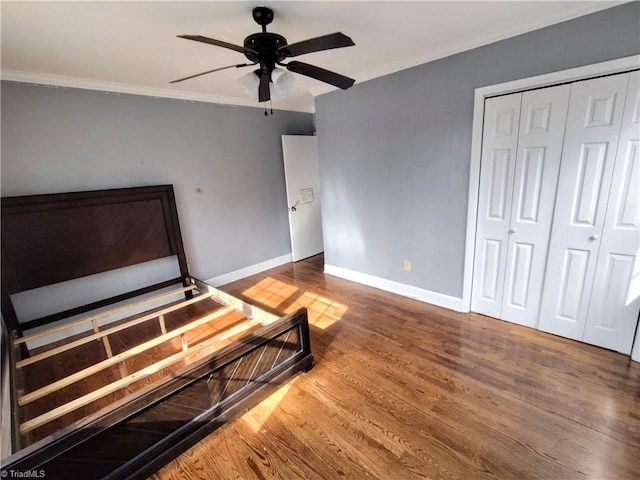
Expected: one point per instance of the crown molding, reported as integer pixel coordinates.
(363, 76)
(407, 63)
(89, 84)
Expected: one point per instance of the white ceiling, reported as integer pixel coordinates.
(131, 47)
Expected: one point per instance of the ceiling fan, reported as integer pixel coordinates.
(270, 49)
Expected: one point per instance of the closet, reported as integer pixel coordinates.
(558, 235)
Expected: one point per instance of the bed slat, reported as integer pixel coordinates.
(96, 336)
(106, 313)
(134, 377)
(68, 380)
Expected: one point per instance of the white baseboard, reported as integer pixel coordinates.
(250, 270)
(427, 296)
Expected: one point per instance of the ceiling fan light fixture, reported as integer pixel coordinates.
(250, 83)
(280, 86)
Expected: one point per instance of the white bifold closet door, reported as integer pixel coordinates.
(521, 152)
(592, 265)
(499, 145)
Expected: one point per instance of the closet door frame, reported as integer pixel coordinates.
(555, 78)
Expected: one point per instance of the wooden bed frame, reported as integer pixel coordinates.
(129, 426)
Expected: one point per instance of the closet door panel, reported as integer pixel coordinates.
(615, 299)
(499, 145)
(589, 152)
(542, 126)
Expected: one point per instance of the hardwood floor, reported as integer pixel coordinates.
(401, 389)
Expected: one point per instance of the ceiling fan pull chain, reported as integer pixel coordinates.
(270, 106)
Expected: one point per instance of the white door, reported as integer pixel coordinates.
(615, 299)
(499, 146)
(593, 128)
(303, 195)
(522, 147)
(542, 124)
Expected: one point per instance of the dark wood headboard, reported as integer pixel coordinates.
(47, 239)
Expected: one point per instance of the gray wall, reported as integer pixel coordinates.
(394, 152)
(225, 162)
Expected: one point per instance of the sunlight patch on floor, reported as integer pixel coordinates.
(258, 415)
(271, 292)
(323, 312)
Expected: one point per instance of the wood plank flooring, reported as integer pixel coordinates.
(402, 390)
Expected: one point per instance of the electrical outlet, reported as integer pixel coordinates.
(407, 265)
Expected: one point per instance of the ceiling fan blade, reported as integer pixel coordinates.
(264, 94)
(217, 43)
(325, 42)
(211, 71)
(321, 74)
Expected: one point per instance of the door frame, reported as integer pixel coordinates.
(610, 67)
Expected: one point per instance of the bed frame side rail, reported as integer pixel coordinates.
(11, 438)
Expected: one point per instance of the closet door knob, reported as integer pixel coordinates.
(513, 230)
(594, 237)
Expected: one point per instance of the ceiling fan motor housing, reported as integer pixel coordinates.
(266, 45)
